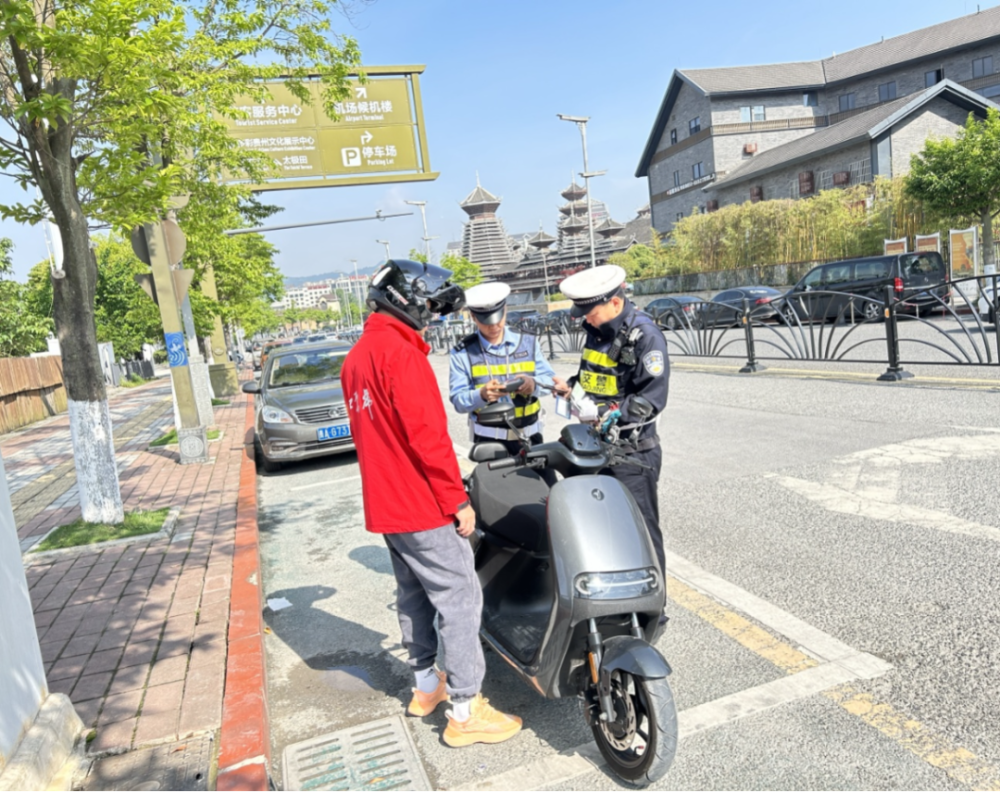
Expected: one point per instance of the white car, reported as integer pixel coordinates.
(988, 302)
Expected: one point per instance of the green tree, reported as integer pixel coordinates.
(960, 177)
(463, 272)
(124, 313)
(23, 326)
(113, 107)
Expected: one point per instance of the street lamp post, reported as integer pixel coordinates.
(361, 302)
(581, 123)
(386, 243)
(423, 214)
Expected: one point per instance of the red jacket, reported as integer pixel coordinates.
(409, 474)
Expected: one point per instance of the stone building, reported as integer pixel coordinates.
(750, 133)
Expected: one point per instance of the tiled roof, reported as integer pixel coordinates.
(480, 196)
(917, 44)
(914, 45)
(863, 126)
(770, 76)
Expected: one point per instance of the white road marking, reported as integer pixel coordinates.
(328, 483)
(842, 501)
(839, 664)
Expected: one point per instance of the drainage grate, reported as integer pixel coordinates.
(375, 755)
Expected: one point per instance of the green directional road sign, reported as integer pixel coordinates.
(378, 137)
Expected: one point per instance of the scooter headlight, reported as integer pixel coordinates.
(616, 585)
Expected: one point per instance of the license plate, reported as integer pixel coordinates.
(333, 432)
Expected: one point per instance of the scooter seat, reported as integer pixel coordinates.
(511, 506)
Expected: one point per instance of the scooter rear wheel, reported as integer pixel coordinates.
(640, 744)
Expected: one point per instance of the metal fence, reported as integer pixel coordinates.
(953, 323)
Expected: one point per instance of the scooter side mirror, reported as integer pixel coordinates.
(641, 408)
(497, 415)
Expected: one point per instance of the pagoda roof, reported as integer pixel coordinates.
(573, 206)
(574, 191)
(480, 199)
(573, 223)
(609, 228)
(541, 240)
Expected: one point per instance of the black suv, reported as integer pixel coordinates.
(919, 281)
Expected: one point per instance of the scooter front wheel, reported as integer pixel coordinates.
(640, 743)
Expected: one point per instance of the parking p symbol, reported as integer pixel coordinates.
(351, 157)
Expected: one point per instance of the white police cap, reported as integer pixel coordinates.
(486, 302)
(592, 287)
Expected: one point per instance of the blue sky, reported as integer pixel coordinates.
(497, 73)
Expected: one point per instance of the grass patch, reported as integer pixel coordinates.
(79, 532)
(133, 381)
(219, 402)
(170, 438)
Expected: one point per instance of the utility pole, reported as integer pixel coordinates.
(386, 243)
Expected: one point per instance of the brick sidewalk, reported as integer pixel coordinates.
(136, 634)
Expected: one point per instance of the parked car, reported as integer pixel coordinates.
(919, 281)
(989, 303)
(258, 354)
(562, 320)
(726, 307)
(680, 310)
(301, 412)
(269, 346)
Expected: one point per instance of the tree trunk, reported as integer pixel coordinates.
(989, 261)
(73, 311)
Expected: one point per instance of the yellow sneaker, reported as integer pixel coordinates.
(485, 725)
(423, 704)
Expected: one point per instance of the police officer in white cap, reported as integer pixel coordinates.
(484, 361)
(625, 356)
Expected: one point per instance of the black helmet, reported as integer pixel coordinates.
(413, 291)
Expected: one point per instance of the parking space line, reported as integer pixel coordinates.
(936, 750)
(842, 501)
(330, 483)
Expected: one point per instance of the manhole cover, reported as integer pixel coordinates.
(180, 766)
(375, 755)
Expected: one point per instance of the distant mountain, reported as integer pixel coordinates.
(301, 280)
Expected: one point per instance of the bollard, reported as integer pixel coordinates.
(552, 349)
(752, 364)
(895, 371)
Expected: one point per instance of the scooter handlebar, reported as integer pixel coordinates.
(502, 463)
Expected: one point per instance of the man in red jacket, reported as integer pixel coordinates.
(413, 496)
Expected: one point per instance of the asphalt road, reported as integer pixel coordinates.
(834, 612)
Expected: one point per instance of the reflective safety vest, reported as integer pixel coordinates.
(486, 367)
(603, 377)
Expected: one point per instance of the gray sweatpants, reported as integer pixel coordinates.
(436, 574)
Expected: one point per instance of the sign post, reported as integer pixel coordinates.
(161, 245)
(964, 248)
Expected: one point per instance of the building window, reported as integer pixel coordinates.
(673, 137)
(697, 170)
(694, 125)
(677, 178)
(933, 77)
(809, 99)
(982, 66)
(846, 102)
(887, 91)
(754, 113)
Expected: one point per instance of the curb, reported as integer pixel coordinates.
(244, 744)
(46, 746)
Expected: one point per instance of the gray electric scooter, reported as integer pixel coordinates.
(572, 591)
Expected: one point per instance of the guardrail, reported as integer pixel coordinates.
(946, 324)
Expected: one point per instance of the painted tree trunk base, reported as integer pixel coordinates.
(94, 457)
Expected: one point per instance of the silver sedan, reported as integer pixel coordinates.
(301, 411)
